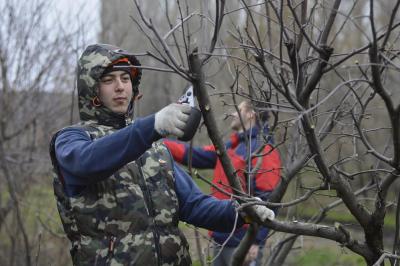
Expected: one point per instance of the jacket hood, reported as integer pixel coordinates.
(91, 65)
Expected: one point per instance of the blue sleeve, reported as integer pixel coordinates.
(202, 157)
(257, 192)
(203, 210)
(85, 161)
(262, 236)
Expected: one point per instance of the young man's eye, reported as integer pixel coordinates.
(126, 78)
(106, 80)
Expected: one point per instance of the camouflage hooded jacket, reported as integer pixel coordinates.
(129, 216)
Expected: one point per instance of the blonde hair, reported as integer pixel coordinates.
(258, 108)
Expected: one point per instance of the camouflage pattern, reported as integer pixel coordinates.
(94, 60)
(131, 217)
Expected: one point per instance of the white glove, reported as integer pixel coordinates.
(172, 119)
(263, 212)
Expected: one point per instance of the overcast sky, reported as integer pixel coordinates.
(80, 11)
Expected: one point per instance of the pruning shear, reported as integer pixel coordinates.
(187, 97)
(194, 117)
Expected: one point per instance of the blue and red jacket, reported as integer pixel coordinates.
(264, 180)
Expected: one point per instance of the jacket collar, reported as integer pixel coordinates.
(254, 133)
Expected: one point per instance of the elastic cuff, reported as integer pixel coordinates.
(153, 134)
(247, 219)
(156, 136)
(242, 215)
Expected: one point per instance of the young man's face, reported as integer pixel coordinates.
(247, 117)
(115, 91)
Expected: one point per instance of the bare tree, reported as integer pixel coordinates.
(37, 62)
(327, 71)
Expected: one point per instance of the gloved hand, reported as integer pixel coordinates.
(261, 211)
(171, 120)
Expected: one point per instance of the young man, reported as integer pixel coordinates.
(119, 194)
(258, 174)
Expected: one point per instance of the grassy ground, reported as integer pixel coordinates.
(326, 257)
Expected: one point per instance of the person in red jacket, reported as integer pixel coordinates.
(257, 164)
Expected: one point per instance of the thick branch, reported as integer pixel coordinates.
(323, 231)
(303, 33)
(341, 185)
(379, 88)
(392, 18)
(316, 76)
(240, 253)
(209, 119)
(329, 24)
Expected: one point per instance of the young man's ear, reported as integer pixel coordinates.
(137, 97)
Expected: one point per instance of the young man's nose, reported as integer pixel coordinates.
(120, 85)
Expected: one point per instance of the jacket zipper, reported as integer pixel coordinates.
(150, 211)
